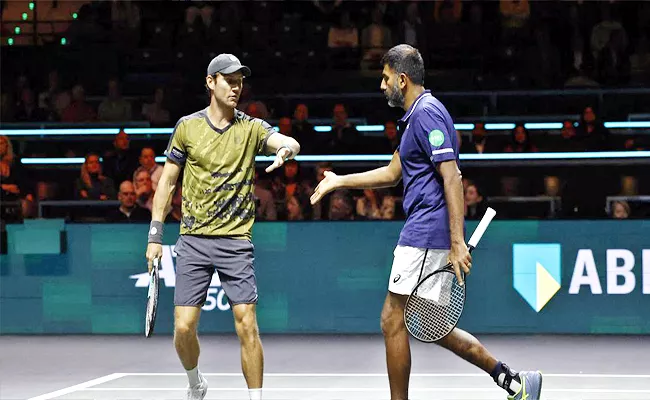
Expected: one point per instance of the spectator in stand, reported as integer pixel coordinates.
(344, 34)
(120, 162)
(114, 108)
(143, 189)
(92, 184)
(303, 130)
(290, 184)
(10, 190)
(568, 141)
(620, 210)
(78, 110)
(375, 40)
(343, 137)
(614, 61)
(264, 203)
(521, 142)
(341, 206)
(155, 112)
(376, 204)
(411, 30)
(591, 133)
(295, 209)
(148, 163)
(392, 136)
(28, 110)
(47, 99)
(601, 33)
(129, 210)
(475, 203)
(284, 126)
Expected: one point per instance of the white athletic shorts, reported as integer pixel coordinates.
(407, 268)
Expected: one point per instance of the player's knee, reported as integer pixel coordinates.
(184, 327)
(246, 325)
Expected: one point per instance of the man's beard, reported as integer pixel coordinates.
(395, 97)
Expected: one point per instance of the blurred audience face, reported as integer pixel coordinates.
(126, 195)
(147, 158)
(291, 169)
(53, 79)
(4, 146)
(159, 96)
(301, 113)
(122, 141)
(113, 90)
(369, 194)
(284, 124)
(520, 135)
(552, 185)
(471, 195)
(78, 93)
(478, 133)
(254, 111)
(340, 208)
(390, 130)
(320, 172)
(621, 210)
(588, 115)
(294, 210)
(568, 130)
(629, 186)
(92, 164)
(143, 182)
(27, 97)
(340, 115)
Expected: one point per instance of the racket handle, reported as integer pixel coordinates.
(482, 226)
(156, 263)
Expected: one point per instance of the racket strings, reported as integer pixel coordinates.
(433, 311)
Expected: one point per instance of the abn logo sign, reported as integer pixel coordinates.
(537, 272)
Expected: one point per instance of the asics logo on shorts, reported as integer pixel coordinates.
(397, 278)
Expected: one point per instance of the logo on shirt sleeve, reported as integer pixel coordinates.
(436, 137)
(177, 153)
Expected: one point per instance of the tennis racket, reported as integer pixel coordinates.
(152, 299)
(436, 303)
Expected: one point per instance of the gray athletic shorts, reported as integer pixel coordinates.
(197, 257)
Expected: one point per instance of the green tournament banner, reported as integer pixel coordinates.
(331, 277)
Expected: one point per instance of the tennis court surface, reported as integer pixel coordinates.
(315, 367)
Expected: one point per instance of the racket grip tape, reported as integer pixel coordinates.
(482, 226)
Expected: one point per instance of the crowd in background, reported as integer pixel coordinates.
(550, 44)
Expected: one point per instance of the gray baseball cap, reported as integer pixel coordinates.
(227, 64)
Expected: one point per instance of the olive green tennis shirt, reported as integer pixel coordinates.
(219, 170)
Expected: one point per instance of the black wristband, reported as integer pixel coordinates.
(156, 232)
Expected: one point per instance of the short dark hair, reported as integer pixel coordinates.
(405, 59)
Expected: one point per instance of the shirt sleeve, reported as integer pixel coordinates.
(263, 131)
(433, 137)
(176, 148)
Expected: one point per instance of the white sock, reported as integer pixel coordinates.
(255, 394)
(193, 376)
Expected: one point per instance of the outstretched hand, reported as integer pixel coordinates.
(280, 158)
(329, 183)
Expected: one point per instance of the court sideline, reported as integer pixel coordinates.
(314, 367)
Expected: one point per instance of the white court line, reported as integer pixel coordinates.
(78, 387)
(326, 375)
(371, 389)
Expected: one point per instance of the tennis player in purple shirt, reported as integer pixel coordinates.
(427, 161)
